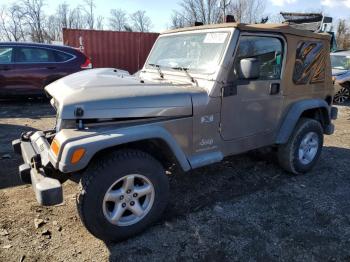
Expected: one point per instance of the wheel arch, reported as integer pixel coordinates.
(317, 109)
(153, 140)
(156, 147)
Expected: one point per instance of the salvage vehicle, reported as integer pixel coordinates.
(26, 68)
(341, 72)
(204, 93)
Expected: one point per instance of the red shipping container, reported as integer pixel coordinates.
(122, 50)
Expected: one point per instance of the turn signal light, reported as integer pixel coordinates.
(55, 147)
(77, 155)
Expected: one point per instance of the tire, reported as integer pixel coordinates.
(342, 95)
(289, 156)
(96, 209)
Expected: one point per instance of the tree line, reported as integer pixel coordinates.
(26, 20)
(214, 11)
(343, 34)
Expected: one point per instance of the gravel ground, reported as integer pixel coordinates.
(243, 209)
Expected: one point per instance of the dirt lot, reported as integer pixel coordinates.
(242, 209)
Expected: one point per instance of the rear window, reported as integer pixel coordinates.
(34, 55)
(62, 57)
(6, 55)
(310, 63)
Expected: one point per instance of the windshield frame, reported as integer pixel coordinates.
(196, 73)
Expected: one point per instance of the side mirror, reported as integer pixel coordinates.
(249, 68)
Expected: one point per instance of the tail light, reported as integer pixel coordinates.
(87, 64)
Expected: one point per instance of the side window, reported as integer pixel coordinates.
(62, 57)
(267, 50)
(6, 55)
(34, 55)
(310, 63)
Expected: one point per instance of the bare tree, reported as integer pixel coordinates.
(12, 24)
(214, 11)
(224, 5)
(343, 34)
(54, 29)
(178, 20)
(128, 28)
(89, 10)
(35, 18)
(205, 11)
(4, 33)
(76, 19)
(99, 23)
(118, 19)
(248, 11)
(62, 14)
(140, 21)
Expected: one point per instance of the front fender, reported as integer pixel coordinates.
(96, 143)
(293, 116)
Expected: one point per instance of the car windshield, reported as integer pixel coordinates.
(340, 62)
(197, 52)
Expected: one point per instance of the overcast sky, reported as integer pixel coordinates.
(160, 10)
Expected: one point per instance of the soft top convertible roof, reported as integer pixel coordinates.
(276, 28)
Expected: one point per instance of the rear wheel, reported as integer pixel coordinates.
(122, 194)
(300, 154)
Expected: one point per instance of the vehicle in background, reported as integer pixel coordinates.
(341, 72)
(26, 68)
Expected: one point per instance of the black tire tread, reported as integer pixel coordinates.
(94, 171)
(286, 151)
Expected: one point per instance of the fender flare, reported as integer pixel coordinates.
(95, 144)
(293, 116)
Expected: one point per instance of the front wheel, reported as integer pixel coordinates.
(121, 194)
(300, 154)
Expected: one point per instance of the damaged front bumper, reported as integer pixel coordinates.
(34, 148)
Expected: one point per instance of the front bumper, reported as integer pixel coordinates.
(34, 150)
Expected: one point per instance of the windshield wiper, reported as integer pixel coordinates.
(158, 68)
(185, 69)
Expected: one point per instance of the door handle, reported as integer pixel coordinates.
(274, 88)
(51, 67)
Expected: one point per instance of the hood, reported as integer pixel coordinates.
(108, 93)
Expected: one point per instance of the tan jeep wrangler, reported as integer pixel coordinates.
(204, 93)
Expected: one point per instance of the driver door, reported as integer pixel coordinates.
(252, 107)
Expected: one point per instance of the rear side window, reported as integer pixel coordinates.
(62, 57)
(34, 55)
(268, 50)
(6, 55)
(310, 63)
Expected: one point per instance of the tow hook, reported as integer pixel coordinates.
(36, 162)
(25, 137)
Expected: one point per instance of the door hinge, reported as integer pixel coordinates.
(230, 89)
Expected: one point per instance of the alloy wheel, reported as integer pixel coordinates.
(128, 200)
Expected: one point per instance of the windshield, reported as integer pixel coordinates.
(197, 52)
(340, 62)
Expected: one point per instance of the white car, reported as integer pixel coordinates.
(341, 72)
